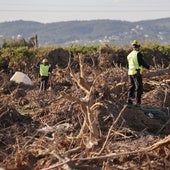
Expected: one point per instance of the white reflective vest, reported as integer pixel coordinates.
(133, 64)
(44, 69)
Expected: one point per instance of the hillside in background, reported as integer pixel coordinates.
(89, 32)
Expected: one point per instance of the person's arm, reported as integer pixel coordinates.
(37, 65)
(141, 61)
(50, 69)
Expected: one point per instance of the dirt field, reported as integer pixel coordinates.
(82, 122)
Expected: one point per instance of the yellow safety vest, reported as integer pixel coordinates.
(44, 69)
(133, 63)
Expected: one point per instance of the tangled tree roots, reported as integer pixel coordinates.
(83, 122)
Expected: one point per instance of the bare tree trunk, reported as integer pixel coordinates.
(90, 130)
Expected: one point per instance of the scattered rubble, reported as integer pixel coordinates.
(81, 124)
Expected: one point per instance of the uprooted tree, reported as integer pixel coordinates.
(82, 122)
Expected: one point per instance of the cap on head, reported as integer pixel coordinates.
(135, 43)
(45, 60)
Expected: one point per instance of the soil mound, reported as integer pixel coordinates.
(59, 57)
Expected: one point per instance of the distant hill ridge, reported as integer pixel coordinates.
(115, 32)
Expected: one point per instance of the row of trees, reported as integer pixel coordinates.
(19, 41)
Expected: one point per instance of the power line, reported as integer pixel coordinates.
(80, 11)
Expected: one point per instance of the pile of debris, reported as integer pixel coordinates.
(83, 122)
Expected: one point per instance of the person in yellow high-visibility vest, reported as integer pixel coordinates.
(135, 64)
(44, 70)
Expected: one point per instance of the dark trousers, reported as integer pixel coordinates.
(135, 88)
(44, 82)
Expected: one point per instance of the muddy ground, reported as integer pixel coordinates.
(43, 130)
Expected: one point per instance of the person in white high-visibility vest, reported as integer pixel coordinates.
(136, 63)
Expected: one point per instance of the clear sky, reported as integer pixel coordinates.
(47, 11)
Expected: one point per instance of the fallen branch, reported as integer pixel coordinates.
(74, 150)
(163, 126)
(147, 75)
(163, 142)
(147, 149)
(108, 135)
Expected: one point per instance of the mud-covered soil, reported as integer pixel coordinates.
(42, 130)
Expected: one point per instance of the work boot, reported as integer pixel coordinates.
(137, 104)
(129, 102)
